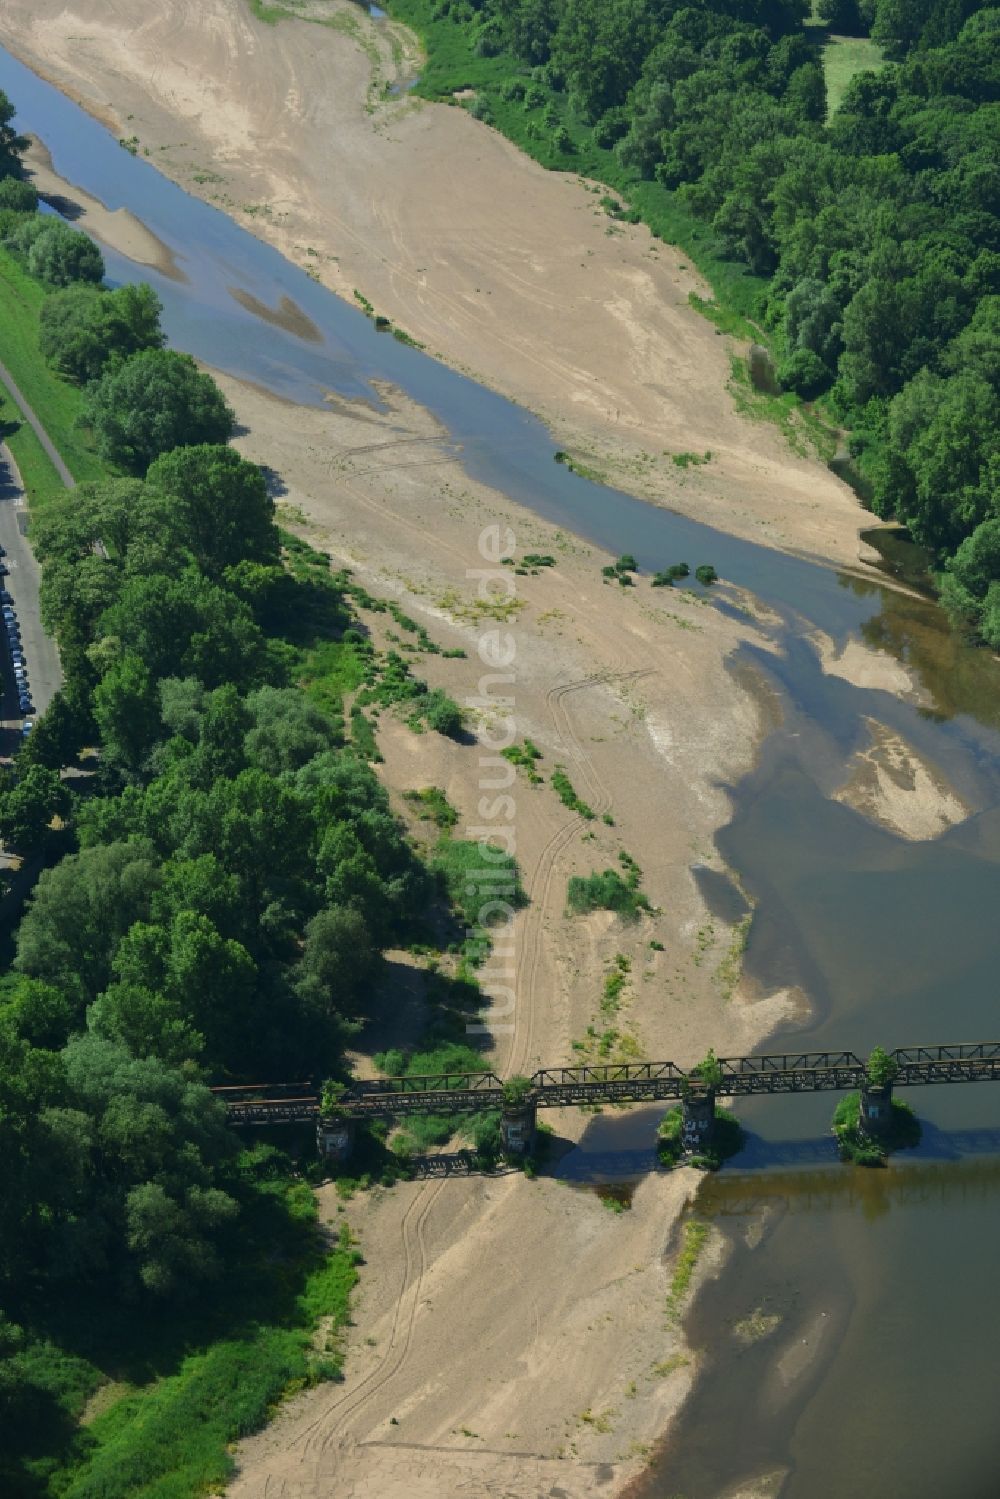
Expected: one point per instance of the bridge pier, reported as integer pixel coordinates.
(876, 1109)
(697, 1119)
(517, 1129)
(335, 1139)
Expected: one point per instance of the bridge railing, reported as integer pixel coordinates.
(958, 1051)
(789, 1061)
(602, 1073)
(427, 1082)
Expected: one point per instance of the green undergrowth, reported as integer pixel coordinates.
(524, 757)
(480, 887)
(421, 1132)
(902, 1133)
(431, 805)
(693, 1241)
(608, 891)
(727, 1140)
(182, 1385)
(563, 788)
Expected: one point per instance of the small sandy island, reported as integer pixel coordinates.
(117, 228)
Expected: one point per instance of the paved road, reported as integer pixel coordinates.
(39, 431)
(44, 671)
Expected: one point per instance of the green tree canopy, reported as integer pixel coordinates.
(83, 329)
(155, 401)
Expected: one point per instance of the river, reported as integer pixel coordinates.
(870, 1368)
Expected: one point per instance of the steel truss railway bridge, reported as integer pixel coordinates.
(610, 1083)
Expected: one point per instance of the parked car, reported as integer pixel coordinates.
(27, 727)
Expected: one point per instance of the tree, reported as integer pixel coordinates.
(218, 506)
(17, 195)
(156, 1151)
(805, 373)
(155, 401)
(28, 807)
(185, 626)
(83, 329)
(79, 913)
(880, 1069)
(12, 145)
(61, 255)
(842, 16)
(338, 961)
(127, 711)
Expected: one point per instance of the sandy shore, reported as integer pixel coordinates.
(511, 273)
(115, 227)
(511, 1336)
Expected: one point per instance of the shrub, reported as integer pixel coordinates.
(605, 891)
(443, 714)
(61, 255)
(706, 574)
(21, 197)
(805, 373)
(901, 1133)
(563, 788)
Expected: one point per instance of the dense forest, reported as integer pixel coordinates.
(868, 237)
(221, 873)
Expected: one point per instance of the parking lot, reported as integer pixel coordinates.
(21, 583)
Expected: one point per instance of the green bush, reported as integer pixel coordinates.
(443, 714)
(564, 790)
(901, 1133)
(605, 891)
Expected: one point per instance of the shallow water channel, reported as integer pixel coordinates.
(878, 1375)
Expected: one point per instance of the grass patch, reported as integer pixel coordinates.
(330, 669)
(843, 58)
(605, 891)
(902, 1133)
(694, 1239)
(524, 757)
(57, 404)
(478, 884)
(564, 790)
(431, 805)
(614, 985)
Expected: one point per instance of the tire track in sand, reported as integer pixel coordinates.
(519, 1054)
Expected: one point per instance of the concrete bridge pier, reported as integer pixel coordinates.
(517, 1129)
(335, 1139)
(876, 1109)
(697, 1119)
